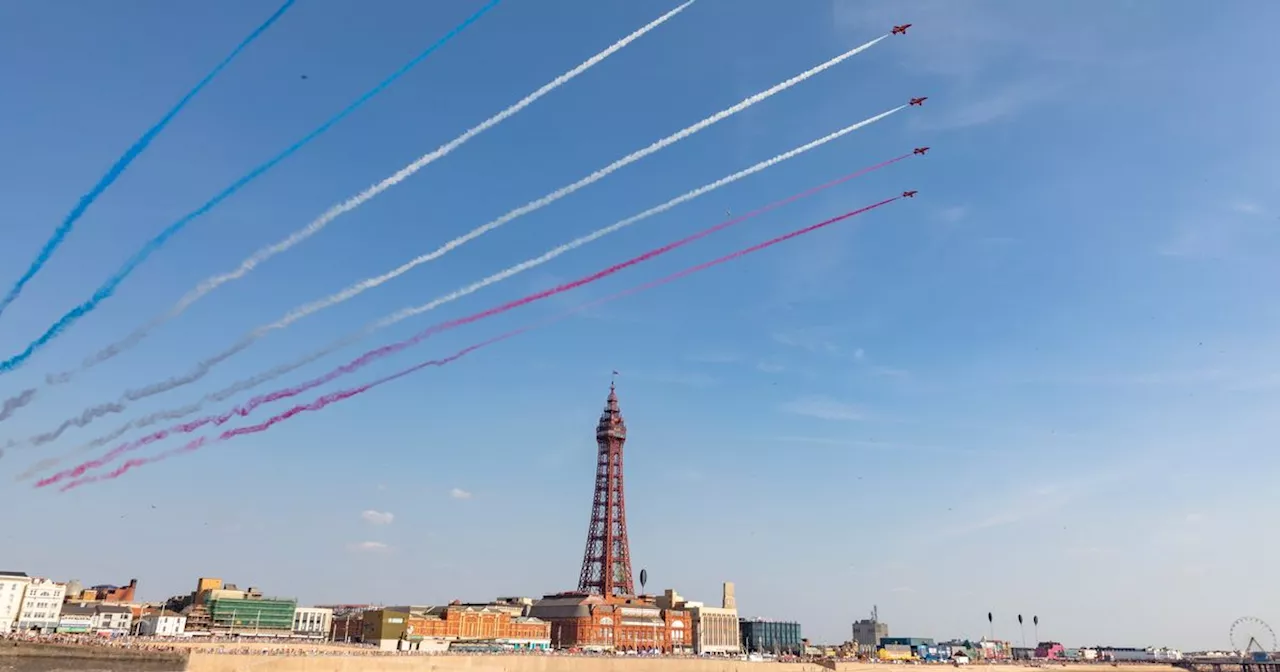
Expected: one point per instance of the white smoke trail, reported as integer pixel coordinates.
(204, 366)
(600, 233)
(370, 283)
(278, 371)
(257, 258)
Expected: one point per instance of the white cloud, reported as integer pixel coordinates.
(824, 408)
(369, 547)
(1193, 518)
(377, 517)
(859, 353)
(459, 493)
(770, 367)
(1247, 208)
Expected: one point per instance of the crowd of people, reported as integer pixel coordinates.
(149, 643)
(235, 645)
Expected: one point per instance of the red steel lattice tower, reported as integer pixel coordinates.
(606, 564)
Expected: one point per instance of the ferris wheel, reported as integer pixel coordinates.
(1249, 634)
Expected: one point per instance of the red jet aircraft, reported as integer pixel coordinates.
(920, 150)
(900, 30)
(909, 194)
(919, 101)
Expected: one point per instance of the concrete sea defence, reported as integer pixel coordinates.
(212, 662)
(40, 656)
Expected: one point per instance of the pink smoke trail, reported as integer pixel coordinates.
(245, 409)
(334, 397)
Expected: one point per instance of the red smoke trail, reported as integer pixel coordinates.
(245, 409)
(335, 397)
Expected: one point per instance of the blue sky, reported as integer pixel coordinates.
(1046, 386)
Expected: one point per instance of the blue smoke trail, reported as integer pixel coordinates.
(123, 162)
(109, 287)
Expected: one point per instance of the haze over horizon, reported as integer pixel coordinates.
(1047, 385)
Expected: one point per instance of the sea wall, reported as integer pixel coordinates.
(19, 656)
(212, 662)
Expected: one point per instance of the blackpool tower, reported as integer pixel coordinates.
(606, 564)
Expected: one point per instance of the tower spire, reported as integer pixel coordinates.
(606, 563)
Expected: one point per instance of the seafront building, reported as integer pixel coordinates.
(248, 612)
(764, 636)
(313, 622)
(162, 624)
(599, 623)
(868, 632)
(456, 626)
(77, 619)
(715, 629)
(13, 586)
(41, 606)
(112, 619)
(106, 592)
(223, 609)
(348, 623)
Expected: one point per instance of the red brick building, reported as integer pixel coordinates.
(618, 623)
(478, 622)
(498, 624)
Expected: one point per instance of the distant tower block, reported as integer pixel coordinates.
(727, 601)
(606, 564)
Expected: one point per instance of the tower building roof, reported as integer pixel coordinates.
(611, 423)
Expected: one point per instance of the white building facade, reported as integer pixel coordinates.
(715, 629)
(113, 619)
(13, 588)
(41, 605)
(313, 621)
(162, 625)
